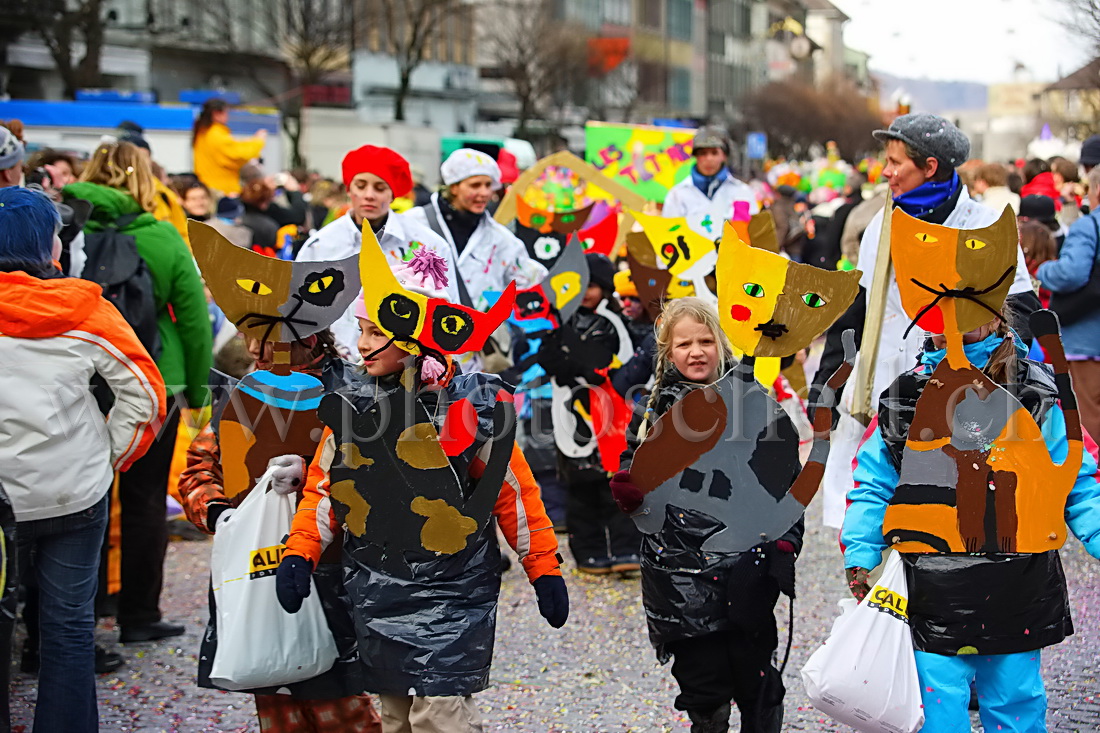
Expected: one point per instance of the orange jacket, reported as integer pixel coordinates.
(519, 513)
(60, 454)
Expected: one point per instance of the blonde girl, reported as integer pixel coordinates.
(712, 613)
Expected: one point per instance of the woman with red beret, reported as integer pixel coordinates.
(374, 177)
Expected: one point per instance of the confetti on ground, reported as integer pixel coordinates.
(598, 674)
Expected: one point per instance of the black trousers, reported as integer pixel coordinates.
(735, 664)
(143, 492)
(598, 531)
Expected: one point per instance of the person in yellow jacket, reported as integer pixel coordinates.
(218, 156)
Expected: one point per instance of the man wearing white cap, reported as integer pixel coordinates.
(489, 256)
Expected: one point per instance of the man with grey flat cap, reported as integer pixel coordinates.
(922, 152)
(707, 196)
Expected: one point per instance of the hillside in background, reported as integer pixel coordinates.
(929, 95)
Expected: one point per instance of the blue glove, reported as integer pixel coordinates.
(292, 582)
(553, 599)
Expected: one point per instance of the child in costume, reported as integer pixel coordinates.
(414, 464)
(577, 356)
(974, 470)
(271, 419)
(712, 478)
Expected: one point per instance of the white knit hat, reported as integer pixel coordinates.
(12, 151)
(465, 163)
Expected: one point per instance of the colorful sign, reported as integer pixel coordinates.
(647, 160)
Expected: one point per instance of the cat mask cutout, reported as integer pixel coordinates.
(418, 322)
(558, 296)
(677, 248)
(758, 231)
(271, 299)
(771, 306)
(972, 267)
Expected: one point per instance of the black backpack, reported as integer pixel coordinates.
(115, 265)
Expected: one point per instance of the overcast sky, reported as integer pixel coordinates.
(965, 40)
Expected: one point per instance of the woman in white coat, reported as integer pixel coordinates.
(489, 256)
(374, 176)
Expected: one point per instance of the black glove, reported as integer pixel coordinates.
(292, 582)
(553, 599)
(213, 511)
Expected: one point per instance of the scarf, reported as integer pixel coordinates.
(461, 223)
(709, 184)
(927, 197)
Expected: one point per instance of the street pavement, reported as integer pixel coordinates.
(598, 673)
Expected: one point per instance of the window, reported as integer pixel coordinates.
(716, 43)
(679, 88)
(680, 19)
(617, 12)
(651, 82)
(651, 13)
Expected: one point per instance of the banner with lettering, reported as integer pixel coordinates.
(646, 159)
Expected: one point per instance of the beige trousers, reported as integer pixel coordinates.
(452, 714)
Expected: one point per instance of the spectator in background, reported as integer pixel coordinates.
(1038, 180)
(1037, 242)
(707, 196)
(421, 195)
(218, 156)
(12, 154)
(327, 201)
(64, 168)
(1073, 281)
(118, 182)
(168, 207)
(829, 249)
(195, 197)
(60, 461)
(1090, 153)
(1067, 180)
(1041, 209)
(991, 185)
(257, 196)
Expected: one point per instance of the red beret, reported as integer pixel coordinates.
(382, 162)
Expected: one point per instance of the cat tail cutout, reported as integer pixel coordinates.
(809, 479)
(1045, 327)
(495, 456)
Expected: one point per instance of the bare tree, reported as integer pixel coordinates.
(797, 116)
(65, 26)
(407, 28)
(1083, 19)
(542, 58)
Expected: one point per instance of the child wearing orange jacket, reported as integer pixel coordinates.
(424, 606)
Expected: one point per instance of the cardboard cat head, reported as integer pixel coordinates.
(973, 267)
(271, 299)
(770, 306)
(677, 248)
(416, 321)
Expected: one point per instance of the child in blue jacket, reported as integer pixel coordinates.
(974, 617)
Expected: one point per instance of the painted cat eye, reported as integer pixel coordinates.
(754, 290)
(813, 300)
(253, 286)
(926, 238)
(975, 244)
(320, 284)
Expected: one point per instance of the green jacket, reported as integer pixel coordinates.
(183, 320)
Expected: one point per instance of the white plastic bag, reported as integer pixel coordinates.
(865, 675)
(260, 644)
